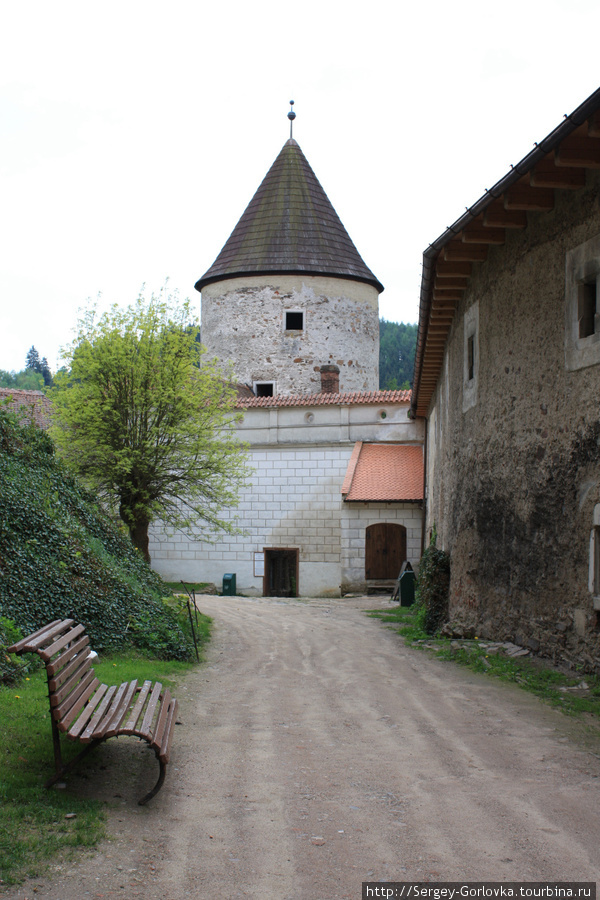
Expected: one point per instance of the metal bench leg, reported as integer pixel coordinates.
(157, 786)
(61, 770)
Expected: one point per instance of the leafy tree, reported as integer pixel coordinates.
(27, 380)
(397, 343)
(147, 427)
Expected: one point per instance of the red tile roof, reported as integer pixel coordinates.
(30, 406)
(385, 473)
(344, 399)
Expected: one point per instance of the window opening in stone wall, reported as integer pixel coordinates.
(294, 321)
(471, 357)
(264, 388)
(587, 308)
(596, 561)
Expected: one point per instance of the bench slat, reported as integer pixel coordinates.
(87, 734)
(104, 723)
(130, 726)
(19, 647)
(124, 706)
(87, 713)
(161, 720)
(72, 714)
(79, 672)
(60, 711)
(48, 652)
(150, 710)
(65, 663)
(165, 747)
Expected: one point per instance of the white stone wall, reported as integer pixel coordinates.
(243, 324)
(330, 424)
(293, 500)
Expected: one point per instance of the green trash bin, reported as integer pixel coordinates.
(229, 586)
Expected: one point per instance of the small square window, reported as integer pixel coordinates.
(264, 388)
(294, 321)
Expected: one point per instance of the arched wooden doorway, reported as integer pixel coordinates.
(385, 550)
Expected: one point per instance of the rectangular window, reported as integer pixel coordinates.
(596, 561)
(264, 388)
(586, 308)
(471, 357)
(294, 321)
(582, 309)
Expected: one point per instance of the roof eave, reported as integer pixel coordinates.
(431, 254)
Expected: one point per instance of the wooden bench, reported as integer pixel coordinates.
(90, 712)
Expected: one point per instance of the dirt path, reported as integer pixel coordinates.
(317, 752)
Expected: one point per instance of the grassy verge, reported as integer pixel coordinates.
(38, 824)
(178, 587)
(574, 694)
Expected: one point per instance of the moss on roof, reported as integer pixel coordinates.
(289, 227)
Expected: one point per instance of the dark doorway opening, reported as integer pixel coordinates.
(385, 550)
(281, 572)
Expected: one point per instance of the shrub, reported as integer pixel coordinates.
(434, 586)
(61, 556)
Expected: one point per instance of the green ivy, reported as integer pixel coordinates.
(61, 556)
(433, 586)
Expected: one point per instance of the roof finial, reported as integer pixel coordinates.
(291, 117)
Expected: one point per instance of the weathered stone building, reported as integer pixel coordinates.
(334, 504)
(507, 376)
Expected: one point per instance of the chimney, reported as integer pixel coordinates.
(330, 379)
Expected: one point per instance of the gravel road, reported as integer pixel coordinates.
(316, 751)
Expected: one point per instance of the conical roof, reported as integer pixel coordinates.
(289, 228)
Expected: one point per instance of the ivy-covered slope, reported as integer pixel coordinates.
(61, 556)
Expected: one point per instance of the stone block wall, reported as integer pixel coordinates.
(514, 473)
(294, 500)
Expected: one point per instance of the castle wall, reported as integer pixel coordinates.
(243, 324)
(513, 461)
(294, 500)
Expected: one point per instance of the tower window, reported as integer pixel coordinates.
(264, 388)
(587, 308)
(294, 321)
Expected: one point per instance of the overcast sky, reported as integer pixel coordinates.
(134, 134)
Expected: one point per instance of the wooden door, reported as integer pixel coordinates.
(281, 572)
(385, 550)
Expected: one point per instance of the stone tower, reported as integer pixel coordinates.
(289, 293)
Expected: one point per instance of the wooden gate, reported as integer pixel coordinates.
(385, 550)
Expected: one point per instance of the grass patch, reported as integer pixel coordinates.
(178, 588)
(33, 823)
(573, 694)
(409, 621)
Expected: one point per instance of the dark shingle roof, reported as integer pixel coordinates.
(289, 227)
